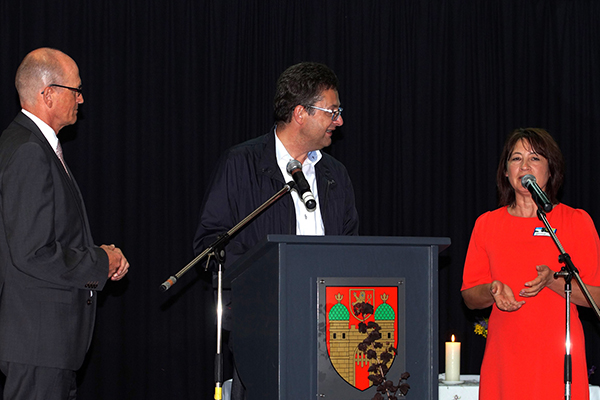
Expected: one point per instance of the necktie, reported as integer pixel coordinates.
(59, 153)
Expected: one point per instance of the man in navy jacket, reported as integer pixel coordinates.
(307, 111)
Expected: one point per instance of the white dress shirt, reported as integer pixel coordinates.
(48, 132)
(307, 222)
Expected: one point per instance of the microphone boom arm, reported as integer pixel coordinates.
(223, 239)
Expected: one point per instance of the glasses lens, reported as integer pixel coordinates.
(336, 114)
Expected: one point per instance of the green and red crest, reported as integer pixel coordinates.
(344, 312)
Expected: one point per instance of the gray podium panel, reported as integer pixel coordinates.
(279, 326)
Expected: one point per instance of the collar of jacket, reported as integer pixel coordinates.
(268, 161)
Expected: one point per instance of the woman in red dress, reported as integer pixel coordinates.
(510, 266)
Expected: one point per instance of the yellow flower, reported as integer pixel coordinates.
(481, 330)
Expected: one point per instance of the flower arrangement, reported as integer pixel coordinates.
(481, 327)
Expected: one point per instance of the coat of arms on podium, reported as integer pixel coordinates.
(339, 301)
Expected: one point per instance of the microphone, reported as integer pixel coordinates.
(529, 183)
(294, 168)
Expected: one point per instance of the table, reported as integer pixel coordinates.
(469, 389)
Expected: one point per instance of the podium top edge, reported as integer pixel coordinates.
(441, 242)
(271, 241)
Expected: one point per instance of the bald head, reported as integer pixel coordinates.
(38, 69)
(49, 87)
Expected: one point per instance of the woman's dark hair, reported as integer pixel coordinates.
(541, 143)
(301, 84)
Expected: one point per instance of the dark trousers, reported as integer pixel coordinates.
(238, 391)
(28, 382)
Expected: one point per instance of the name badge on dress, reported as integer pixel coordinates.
(541, 231)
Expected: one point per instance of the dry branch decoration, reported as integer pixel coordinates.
(379, 357)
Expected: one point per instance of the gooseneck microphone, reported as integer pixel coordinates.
(529, 183)
(294, 168)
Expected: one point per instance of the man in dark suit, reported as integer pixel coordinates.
(50, 268)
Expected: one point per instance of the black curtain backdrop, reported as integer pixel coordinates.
(430, 91)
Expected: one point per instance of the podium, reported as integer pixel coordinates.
(284, 331)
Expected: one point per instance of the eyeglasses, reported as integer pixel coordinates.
(78, 90)
(334, 113)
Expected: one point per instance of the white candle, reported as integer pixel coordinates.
(453, 360)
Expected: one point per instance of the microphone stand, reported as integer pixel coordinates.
(217, 249)
(567, 272)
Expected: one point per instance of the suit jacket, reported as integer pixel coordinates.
(49, 266)
(247, 176)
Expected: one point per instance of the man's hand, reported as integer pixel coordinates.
(117, 263)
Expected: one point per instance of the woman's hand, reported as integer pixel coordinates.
(545, 276)
(504, 297)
